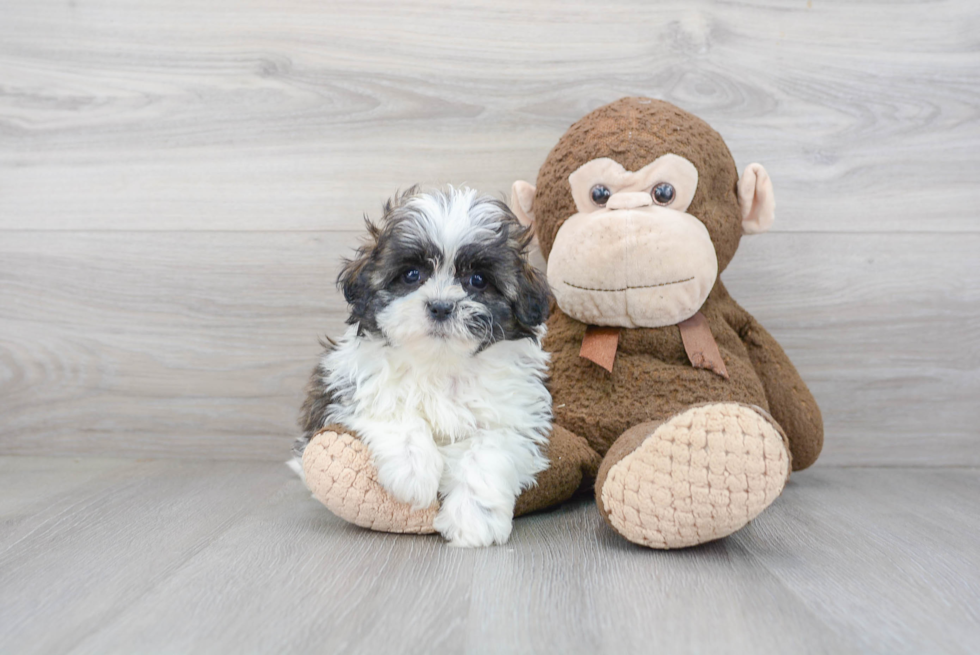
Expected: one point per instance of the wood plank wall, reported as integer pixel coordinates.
(178, 181)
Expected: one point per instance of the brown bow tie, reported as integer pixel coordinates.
(600, 343)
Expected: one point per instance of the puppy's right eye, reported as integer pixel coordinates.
(412, 276)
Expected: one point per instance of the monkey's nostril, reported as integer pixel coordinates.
(440, 310)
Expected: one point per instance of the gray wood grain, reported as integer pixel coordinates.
(177, 183)
(29, 484)
(87, 553)
(150, 343)
(162, 115)
(180, 556)
(885, 557)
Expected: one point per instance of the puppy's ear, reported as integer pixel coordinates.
(530, 299)
(353, 279)
(533, 294)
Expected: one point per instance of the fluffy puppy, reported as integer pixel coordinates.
(441, 374)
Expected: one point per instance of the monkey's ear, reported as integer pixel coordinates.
(521, 199)
(756, 200)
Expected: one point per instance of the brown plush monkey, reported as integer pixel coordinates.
(684, 412)
(697, 412)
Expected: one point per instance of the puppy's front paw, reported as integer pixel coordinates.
(466, 522)
(414, 478)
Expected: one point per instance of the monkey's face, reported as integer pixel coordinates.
(627, 240)
(631, 256)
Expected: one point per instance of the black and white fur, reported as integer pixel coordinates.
(441, 373)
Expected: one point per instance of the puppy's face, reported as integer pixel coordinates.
(445, 267)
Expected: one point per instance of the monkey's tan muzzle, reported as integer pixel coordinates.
(642, 266)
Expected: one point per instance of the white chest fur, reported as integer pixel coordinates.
(455, 392)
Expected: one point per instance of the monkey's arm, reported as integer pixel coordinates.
(572, 464)
(790, 401)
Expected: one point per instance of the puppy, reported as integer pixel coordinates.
(441, 374)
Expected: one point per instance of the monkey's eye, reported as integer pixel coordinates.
(478, 281)
(412, 276)
(663, 193)
(600, 195)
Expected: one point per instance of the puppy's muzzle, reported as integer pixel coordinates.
(440, 310)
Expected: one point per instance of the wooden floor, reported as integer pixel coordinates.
(154, 556)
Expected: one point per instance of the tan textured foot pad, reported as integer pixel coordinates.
(700, 476)
(340, 474)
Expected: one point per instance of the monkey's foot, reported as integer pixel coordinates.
(340, 474)
(698, 476)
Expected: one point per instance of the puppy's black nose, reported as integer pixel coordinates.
(440, 310)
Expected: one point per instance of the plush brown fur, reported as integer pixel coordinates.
(574, 465)
(653, 379)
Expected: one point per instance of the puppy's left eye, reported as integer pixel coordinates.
(477, 281)
(412, 276)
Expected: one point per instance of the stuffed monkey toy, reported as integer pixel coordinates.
(670, 400)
